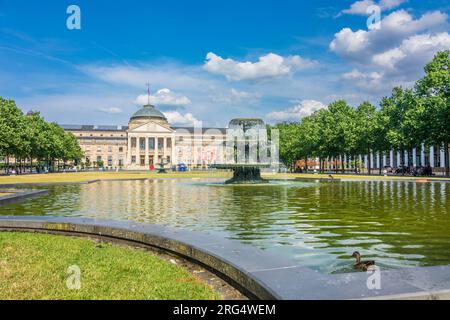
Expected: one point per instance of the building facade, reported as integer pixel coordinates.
(423, 156)
(149, 140)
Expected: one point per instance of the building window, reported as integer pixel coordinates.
(110, 161)
(99, 149)
(110, 149)
(151, 142)
(99, 158)
(142, 143)
(133, 159)
(120, 149)
(169, 142)
(160, 143)
(133, 142)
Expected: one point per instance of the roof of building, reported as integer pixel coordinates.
(75, 127)
(148, 111)
(192, 129)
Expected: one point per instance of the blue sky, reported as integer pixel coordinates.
(211, 61)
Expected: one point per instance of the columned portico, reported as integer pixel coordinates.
(156, 154)
(147, 154)
(151, 130)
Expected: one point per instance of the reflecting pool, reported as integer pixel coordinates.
(319, 224)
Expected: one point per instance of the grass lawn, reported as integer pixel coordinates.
(88, 176)
(353, 176)
(4, 194)
(34, 266)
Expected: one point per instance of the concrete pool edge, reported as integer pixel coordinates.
(259, 274)
(17, 195)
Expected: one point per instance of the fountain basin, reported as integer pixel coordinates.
(244, 173)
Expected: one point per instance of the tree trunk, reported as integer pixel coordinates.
(379, 162)
(402, 160)
(446, 159)
(369, 163)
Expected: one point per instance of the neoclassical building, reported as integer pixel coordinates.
(147, 140)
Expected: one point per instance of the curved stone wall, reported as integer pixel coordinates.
(258, 274)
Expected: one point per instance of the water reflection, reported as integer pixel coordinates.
(318, 224)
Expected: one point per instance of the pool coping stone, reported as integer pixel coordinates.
(257, 273)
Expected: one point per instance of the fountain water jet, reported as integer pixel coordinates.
(247, 151)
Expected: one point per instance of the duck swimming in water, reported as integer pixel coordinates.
(361, 265)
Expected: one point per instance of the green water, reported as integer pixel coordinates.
(398, 224)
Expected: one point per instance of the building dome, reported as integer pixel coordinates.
(148, 112)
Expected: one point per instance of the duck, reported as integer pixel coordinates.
(361, 265)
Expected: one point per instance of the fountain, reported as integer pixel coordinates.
(162, 166)
(247, 151)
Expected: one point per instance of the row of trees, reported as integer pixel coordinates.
(29, 141)
(403, 121)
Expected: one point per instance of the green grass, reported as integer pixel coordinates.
(354, 176)
(87, 176)
(34, 266)
(4, 194)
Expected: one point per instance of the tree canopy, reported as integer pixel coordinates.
(403, 121)
(29, 137)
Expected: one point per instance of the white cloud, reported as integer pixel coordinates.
(360, 7)
(303, 109)
(394, 55)
(235, 96)
(176, 118)
(242, 94)
(420, 49)
(400, 65)
(391, 4)
(268, 66)
(163, 75)
(164, 97)
(399, 25)
(369, 81)
(110, 110)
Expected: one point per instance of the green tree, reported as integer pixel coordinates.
(289, 143)
(401, 113)
(12, 135)
(434, 90)
(341, 128)
(366, 115)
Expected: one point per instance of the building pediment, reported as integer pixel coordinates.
(151, 127)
